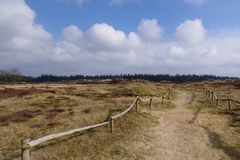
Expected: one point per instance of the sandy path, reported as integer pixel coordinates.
(175, 137)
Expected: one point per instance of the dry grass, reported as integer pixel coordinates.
(35, 110)
(19, 92)
(224, 90)
(19, 116)
(217, 122)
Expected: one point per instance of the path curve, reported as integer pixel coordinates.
(175, 137)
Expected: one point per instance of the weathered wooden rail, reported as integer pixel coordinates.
(213, 96)
(26, 144)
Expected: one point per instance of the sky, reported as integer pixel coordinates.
(64, 37)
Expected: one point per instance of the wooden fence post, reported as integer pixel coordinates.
(217, 102)
(137, 105)
(162, 99)
(212, 95)
(150, 103)
(112, 124)
(229, 104)
(25, 150)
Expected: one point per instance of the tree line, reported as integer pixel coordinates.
(13, 77)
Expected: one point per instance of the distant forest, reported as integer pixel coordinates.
(15, 76)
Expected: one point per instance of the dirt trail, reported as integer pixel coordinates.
(175, 137)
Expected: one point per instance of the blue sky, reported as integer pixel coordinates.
(57, 14)
(65, 37)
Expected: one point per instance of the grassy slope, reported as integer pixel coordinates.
(66, 106)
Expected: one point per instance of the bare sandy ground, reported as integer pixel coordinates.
(177, 136)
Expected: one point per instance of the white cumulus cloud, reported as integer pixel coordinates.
(104, 36)
(191, 32)
(176, 51)
(17, 26)
(72, 34)
(149, 29)
(102, 49)
(22, 41)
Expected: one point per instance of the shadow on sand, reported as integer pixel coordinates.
(195, 115)
(232, 151)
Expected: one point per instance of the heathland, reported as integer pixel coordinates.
(189, 125)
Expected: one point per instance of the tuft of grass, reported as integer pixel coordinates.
(173, 94)
(191, 107)
(207, 105)
(87, 110)
(168, 105)
(222, 111)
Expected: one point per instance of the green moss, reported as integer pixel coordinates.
(173, 94)
(193, 108)
(207, 105)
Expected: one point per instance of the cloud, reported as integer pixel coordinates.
(72, 34)
(82, 2)
(18, 24)
(104, 36)
(101, 37)
(21, 39)
(79, 2)
(195, 2)
(102, 49)
(110, 2)
(176, 52)
(113, 51)
(120, 2)
(191, 32)
(150, 30)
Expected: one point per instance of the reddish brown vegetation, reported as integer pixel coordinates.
(53, 112)
(53, 124)
(56, 110)
(11, 92)
(71, 113)
(86, 111)
(20, 116)
(36, 126)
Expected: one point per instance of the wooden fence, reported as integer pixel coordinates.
(213, 96)
(26, 144)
